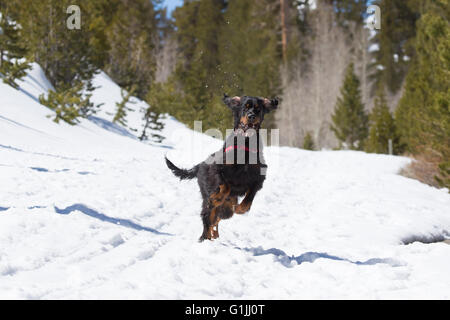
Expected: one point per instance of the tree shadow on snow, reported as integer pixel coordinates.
(39, 169)
(111, 126)
(286, 260)
(20, 125)
(117, 221)
(115, 128)
(38, 153)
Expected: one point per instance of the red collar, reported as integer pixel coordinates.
(229, 148)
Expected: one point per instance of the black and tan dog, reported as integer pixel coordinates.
(238, 169)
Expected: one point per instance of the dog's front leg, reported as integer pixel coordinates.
(245, 204)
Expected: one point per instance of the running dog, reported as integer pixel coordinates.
(238, 169)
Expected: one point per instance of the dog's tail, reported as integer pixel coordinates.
(182, 173)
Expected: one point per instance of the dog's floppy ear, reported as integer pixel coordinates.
(270, 104)
(231, 102)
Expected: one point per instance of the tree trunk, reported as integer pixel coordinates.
(283, 30)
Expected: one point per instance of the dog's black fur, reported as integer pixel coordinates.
(221, 183)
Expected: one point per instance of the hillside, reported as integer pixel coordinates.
(90, 212)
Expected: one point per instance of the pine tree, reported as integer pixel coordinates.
(225, 46)
(121, 107)
(132, 36)
(350, 121)
(423, 113)
(382, 128)
(251, 32)
(13, 65)
(198, 24)
(69, 58)
(308, 142)
(394, 40)
(70, 102)
(443, 178)
(66, 56)
(161, 98)
(152, 122)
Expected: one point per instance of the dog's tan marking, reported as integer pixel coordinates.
(213, 223)
(217, 198)
(213, 231)
(244, 206)
(256, 122)
(231, 201)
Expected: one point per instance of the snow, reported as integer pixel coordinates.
(90, 212)
(374, 47)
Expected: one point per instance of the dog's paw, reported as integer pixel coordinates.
(241, 209)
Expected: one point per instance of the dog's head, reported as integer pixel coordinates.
(248, 112)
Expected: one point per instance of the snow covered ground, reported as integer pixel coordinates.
(90, 212)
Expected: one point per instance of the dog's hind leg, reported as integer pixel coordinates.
(225, 211)
(210, 212)
(206, 234)
(215, 229)
(210, 220)
(210, 224)
(217, 200)
(214, 223)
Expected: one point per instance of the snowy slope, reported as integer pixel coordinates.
(91, 212)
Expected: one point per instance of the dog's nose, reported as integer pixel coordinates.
(251, 117)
